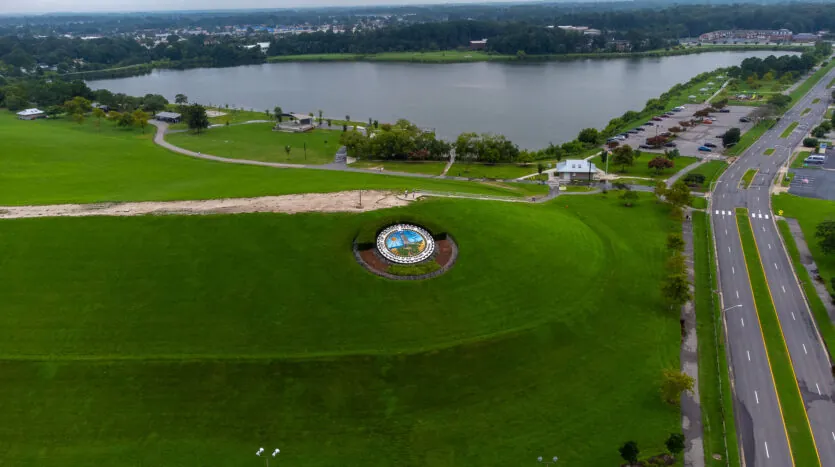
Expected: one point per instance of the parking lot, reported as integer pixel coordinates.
(813, 183)
(688, 142)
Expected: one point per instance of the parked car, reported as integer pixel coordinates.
(620, 138)
(707, 121)
(644, 146)
(744, 119)
(632, 132)
(656, 119)
(666, 134)
(815, 159)
(670, 144)
(649, 124)
(639, 129)
(710, 145)
(704, 149)
(664, 116)
(678, 109)
(725, 111)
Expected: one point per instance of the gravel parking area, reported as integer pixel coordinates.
(688, 142)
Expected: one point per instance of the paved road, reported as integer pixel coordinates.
(759, 423)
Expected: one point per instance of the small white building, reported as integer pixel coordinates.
(31, 114)
(576, 169)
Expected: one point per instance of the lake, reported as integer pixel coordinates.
(532, 104)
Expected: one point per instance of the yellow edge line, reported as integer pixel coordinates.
(785, 346)
(757, 311)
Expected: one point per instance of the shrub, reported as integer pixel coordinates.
(694, 178)
(810, 142)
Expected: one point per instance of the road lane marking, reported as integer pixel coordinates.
(717, 212)
(729, 249)
(766, 450)
(804, 349)
(775, 267)
(743, 321)
(769, 246)
(733, 271)
(819, 389)
(784, 288)
(766, 216)
(756, 397)
(726, 231)
(793, 316)
(753, 215)
(760, 216)
(749, 354)
(737, 294)
(833, 436)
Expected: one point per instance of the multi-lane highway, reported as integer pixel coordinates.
(760, 427)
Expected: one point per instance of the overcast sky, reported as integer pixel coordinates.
(48, 6)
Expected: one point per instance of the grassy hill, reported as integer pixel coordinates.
(57, 161)
(194, 340)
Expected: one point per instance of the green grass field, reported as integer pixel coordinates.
(428, 168)
(747, 178)
(258, 142)
(711, 170)
(805, 111)
(794, 412)
(809, 212)
(714, 384)
(641, 169)
(57, 161)
(769, 151)
(194, 340)
(698, 202)
(497, 171)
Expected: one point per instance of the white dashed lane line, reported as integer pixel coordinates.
(804, 349)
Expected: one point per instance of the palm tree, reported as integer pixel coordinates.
(277, 111)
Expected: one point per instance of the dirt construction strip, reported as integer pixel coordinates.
(345, 201)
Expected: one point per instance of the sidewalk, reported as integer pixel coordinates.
(691, 410)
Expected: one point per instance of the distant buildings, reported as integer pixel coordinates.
(756, 35)
(584, 30)
(478, 45)
(31, 114)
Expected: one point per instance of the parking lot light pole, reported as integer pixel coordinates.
(543, 462)
(266, 458)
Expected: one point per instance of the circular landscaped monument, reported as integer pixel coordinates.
(405, 244)
(407, 251)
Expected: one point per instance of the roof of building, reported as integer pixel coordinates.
(300, 116)
(575, 165)
(168, 115)
(24, 113)
(483, 41)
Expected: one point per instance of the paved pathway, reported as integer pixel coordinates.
(691, 409)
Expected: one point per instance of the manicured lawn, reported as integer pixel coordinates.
(635, 181)
(749, 137)
(429, 168)
(788, 130)
(810, 212)
(794, 413)
(797, 162)
(825, 325)
(714, 383)
(747, 178)
(711, 170)
(641, 169)
(56, 161)
(816, 100)
(497, 171)
(194, 340)
(258, 142)
(232, 116)
(787, 180)
(769, 151)
(698, 202)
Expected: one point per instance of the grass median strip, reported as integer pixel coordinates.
(714, 383)
(827, 329)
(801, 442)
(769, 151)
(747, 178)
(749, 137)
(788, 130)
(805, 111)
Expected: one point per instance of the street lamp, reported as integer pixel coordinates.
(731, 308)
(553, 461)
(266, 458)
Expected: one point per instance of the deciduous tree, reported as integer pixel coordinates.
(629, 197)
(660, 163)
(588, 136)
(676, 289)
(675, 443)
(825, 233)
(629, 452)
(679, 194)
(196, 118)
(623, 156)
(140, 119)
(673, 383)
(180, 99)
(731, 136)
(660, 190)
(98, 114)
(278, 113)
(675, 242)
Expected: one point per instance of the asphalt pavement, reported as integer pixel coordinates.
(760, 428)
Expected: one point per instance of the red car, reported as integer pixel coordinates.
(656, 119)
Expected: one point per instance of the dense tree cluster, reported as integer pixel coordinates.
(52, 94)
(401, 141)
(777, 67)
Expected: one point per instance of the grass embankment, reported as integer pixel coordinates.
(797, 162)
(747, 178)
(810, 212)
(189, 340)
(57, 161)
(788, 131)
(711, 170)
(641, 169)
(749, 137)
(805, 86)
(714, 381)
(801, 442)
(258, 142)
(496, 171)
(428, 168)
(232, 116)
(825, 325)
(769, 151)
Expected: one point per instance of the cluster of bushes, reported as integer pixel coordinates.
(401, 141)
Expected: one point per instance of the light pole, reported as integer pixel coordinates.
(544, 462)
(266, 458)
(731, 308)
